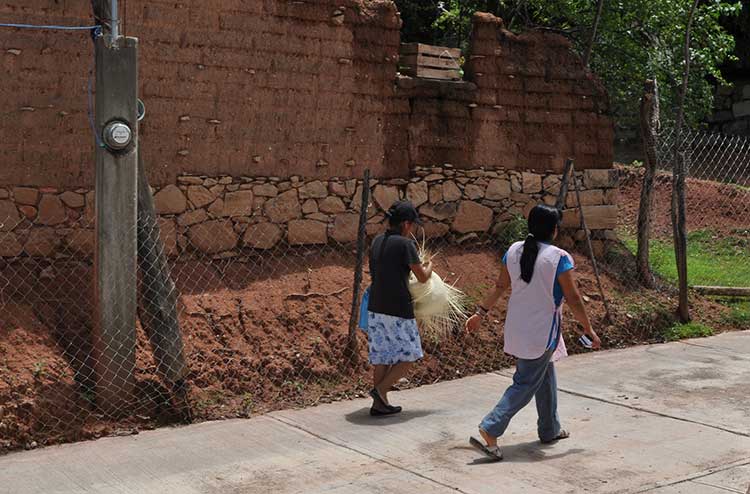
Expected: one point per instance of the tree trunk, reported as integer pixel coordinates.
(649, 129)
(680, 158)
(594, 29)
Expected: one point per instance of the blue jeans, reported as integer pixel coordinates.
(532, 379)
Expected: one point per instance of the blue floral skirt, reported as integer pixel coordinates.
(392, 339)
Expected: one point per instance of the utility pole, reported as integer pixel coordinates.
(116, 126)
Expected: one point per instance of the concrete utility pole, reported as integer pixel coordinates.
(116, 212)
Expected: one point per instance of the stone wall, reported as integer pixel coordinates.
(732, 109)
(283, 88)
(228, 216)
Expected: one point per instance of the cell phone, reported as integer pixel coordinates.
(586, 341)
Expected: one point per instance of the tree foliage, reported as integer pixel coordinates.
(636, 40)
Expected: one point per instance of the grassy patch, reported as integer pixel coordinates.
(689, 330)
(712, 259)
(739, 315)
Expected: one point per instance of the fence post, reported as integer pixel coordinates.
(649, 125)
(158, 302)
(115, 253)
(352, 349)
(679, 227)
(562, 194)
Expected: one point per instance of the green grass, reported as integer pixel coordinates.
(739, 315)
(689, 330)
(712, 259)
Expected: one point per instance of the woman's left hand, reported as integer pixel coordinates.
(473, 323)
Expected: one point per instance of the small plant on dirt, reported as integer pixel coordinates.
(40, 369)
(689, 330)
(247, 404)
(514, 230)
(739, 315)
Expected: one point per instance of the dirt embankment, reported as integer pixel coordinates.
(254, 346)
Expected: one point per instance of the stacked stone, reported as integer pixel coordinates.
(222, 216)
(46, 222)
(732, 110)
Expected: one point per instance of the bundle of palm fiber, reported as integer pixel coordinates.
(439, 307)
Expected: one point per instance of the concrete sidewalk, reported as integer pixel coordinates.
(665, 419)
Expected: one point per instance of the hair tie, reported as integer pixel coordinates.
(530, 235)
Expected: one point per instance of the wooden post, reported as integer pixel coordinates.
(592, 257)
(562, 194)
(115, 253)
(679, 226)
(352, 347)
(649, 130)
(158, 301)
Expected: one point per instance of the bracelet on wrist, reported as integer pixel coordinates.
(481, 311)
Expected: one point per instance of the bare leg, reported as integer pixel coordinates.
(395, 373)
(378, 374)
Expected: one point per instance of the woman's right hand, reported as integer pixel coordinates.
(473, 323)
(596, 343)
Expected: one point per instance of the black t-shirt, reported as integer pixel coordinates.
(389, 270)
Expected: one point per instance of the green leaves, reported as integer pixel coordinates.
(636, 40)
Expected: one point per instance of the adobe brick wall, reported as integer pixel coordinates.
(280, 88)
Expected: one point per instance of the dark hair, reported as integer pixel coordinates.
(543, 220)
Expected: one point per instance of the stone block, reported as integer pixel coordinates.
(265, 190)
(200, 196)
(81, 242)
(593, 197)
(169, 200)
(283, 208)
(73, 199)
(9, 216)
(313, 190)
(417, 193)
(26, 195)
(310, 206)
(531, 183)
(192, 217)
(440, 212)
(472, 217)
(262, 236)
(168, 235)
(51, 210)
(498, 189)
(451, 191)
(332, 205)
(213, 236)
(597, 217)
(385, 196)
(599, 179)
(307, 232)
(345, 227)
(741, 109)
(435, 229)
(473, 192)
(10, 246)
(238, 203)
(436, 194)
(41, 242)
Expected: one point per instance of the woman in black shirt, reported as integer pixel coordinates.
(392, 334)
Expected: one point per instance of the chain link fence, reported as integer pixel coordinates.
(717, 205)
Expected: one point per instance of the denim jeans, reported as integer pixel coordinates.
(532, 379)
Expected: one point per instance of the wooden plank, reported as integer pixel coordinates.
(431, 62)
(723, 291)
(450, 75)
(115, 253)
(435, 51)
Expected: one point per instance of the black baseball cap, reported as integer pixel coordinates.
(403, 211)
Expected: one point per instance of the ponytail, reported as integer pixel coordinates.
(543, 222)
(528, 258)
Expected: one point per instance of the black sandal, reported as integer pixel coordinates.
(563, 434)
(379, 407)
(492, 452)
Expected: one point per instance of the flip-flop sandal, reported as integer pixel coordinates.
(562, 435)
(492, 452)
